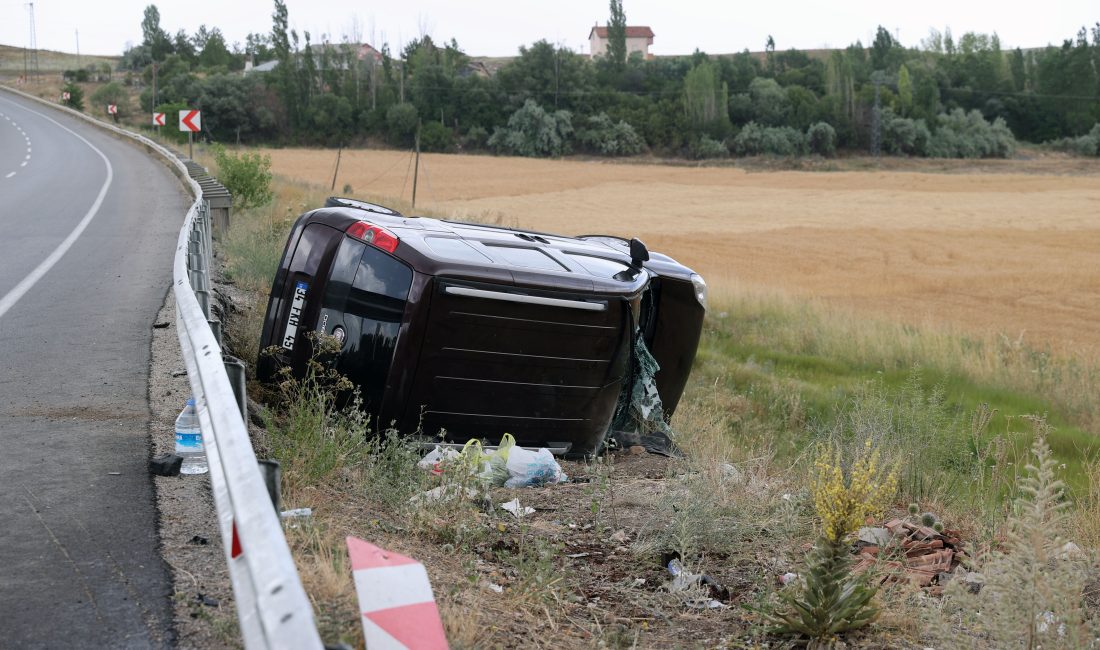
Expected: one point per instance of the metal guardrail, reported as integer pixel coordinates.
(272, 607)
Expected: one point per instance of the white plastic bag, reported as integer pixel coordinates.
(528, 468)
(435, 459)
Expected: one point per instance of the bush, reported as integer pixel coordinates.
(436, 137)
(704, 147)
(821, 139)
(476, 138)
(532, 131)
(904, 137)
(247, 176)
(79, 76)
(1084, 145)
(112, 93)
(401, 121)
(754, 140)
(608, 138)
(76, 96)
(969, 135)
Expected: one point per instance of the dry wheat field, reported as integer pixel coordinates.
(1012, 249)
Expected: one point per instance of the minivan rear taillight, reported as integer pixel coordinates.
(373, 235)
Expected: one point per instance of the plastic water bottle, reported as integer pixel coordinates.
(189, 441)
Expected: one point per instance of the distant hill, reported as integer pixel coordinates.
(11, 60)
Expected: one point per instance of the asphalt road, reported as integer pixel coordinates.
(88, 225)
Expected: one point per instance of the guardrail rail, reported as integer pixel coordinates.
(272, 606)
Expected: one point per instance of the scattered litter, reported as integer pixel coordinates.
(636, 450)
(531, 468)
(495, 587)
(1070, 551)
(576, 556)
(296, 512)
(114, 473)
(788, 497)
(199, 540)
(874, 536)
(731, 473)
(638, 582)
(787, 578)
(161, 325)
(443, 493)
(682, 581)
(436, 458)
(166, 465)
(179, 373)
(619, 536)
(516, 509)
(207, 600)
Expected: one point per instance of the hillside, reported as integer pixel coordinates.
(49, 61)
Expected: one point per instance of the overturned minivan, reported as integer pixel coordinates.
(479, 330)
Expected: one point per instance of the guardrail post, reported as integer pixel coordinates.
(216, 328)
(234, 367)
(203, 296)
(273, 476)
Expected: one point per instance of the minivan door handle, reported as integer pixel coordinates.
(525, 299)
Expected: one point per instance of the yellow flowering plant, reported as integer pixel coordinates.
(832, 600)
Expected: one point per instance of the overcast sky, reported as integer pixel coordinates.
(499, 27)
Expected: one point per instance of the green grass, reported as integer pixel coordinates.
(808, 373)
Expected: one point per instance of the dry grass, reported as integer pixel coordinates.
(1007, 252)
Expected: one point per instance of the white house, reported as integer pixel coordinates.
(638, 39)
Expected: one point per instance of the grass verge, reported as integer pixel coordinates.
(772, 378)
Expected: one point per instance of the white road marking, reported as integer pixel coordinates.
(10, 174)
(23, 164)
(27, 283)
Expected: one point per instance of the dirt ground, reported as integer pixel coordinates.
(990, 246)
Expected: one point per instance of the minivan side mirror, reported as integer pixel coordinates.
(638, 252)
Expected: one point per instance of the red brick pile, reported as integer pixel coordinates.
(916, 553)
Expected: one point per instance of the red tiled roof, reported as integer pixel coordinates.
(631, 32)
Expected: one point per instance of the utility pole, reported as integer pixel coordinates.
(153, 108)
(33, 43)
(78, 49)
(416, 169)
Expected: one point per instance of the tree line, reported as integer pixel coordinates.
(965, 97)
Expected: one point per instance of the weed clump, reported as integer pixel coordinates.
(833, 601)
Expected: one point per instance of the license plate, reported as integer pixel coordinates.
(296, 307)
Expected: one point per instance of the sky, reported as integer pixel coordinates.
(499, 27)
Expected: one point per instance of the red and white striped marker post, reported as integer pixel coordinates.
(395, 597)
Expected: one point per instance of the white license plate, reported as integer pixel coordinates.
(296, 307)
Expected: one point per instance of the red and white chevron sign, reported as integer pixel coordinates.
(190, 120)
(112, 109)
(158, 119)
(395, 596)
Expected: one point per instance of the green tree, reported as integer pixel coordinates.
(247, 177)
(214, 52)
(283, 77)
(76, 96)
(533, 131)
(616, 34)
(706, 100)
(153, 37)
(905, 90)
(112, 93)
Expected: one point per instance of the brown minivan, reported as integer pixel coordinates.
(478, 330)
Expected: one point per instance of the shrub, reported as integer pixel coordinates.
(969, 135)
(754, 140)
(247, 176)
(436, 137)
(1033, 592)
(834, 600)
(76, 96)
(609, 138)
(704, 147)
(533, 131)
(903, 136)
(1084, 145)
(401, 121)
(821, 139)
(112, 93)
(476, 138)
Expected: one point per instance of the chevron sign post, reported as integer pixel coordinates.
(191, 122)
(158, 119)
(395, 596)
